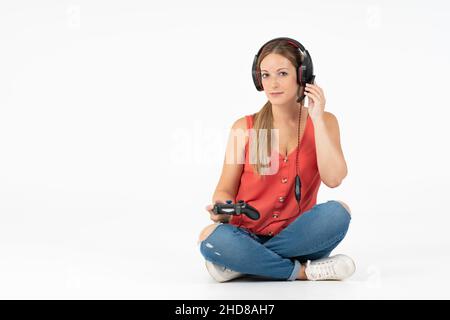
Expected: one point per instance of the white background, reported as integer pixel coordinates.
(114, 117)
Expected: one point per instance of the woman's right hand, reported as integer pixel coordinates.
(222, 217)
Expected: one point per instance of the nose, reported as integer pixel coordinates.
(274, 84)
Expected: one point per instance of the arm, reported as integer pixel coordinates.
(330, 158)
(233, 164)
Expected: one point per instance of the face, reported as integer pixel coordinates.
(278, 75)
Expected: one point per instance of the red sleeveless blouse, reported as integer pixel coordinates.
(274, 196)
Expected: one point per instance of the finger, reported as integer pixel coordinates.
(314, 97)
(321, 90)
(316, 101)
(314, 93)
(322, 95)
(313, 89)
(217, 218)
(315, 85)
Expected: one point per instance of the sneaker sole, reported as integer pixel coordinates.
(217, 275)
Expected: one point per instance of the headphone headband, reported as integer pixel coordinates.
(291, 41)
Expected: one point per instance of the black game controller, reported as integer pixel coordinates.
(236, 209)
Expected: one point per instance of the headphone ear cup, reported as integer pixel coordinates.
(255, 76)
(309, 71)
(300, 75)
(260, 86)
(300, 81)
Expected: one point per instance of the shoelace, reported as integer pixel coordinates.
(321, 270)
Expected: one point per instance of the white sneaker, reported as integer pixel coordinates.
(220, 273)
(337, 267)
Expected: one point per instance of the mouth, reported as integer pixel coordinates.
(276, 93)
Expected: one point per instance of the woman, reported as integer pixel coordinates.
(294, 236)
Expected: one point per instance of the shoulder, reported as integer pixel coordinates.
(244, 123)
(240, 129)
(332, 124)
(329, 117)
(331, 120)
(240, 123)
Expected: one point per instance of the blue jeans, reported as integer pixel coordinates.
(311, 236)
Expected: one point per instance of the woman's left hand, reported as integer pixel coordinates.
(316, 101)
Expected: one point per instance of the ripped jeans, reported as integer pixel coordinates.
(311, 236)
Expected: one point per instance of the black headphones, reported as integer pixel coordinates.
(305, 71)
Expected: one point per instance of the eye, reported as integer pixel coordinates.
(263, 74)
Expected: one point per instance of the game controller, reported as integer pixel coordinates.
(236, 209)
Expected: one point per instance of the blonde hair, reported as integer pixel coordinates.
(263, 119)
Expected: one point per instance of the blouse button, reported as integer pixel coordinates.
(284, 180)
(275, 215)
(270, 233)
(281, 199)
(285, 159)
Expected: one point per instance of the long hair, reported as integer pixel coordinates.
(263, 119)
